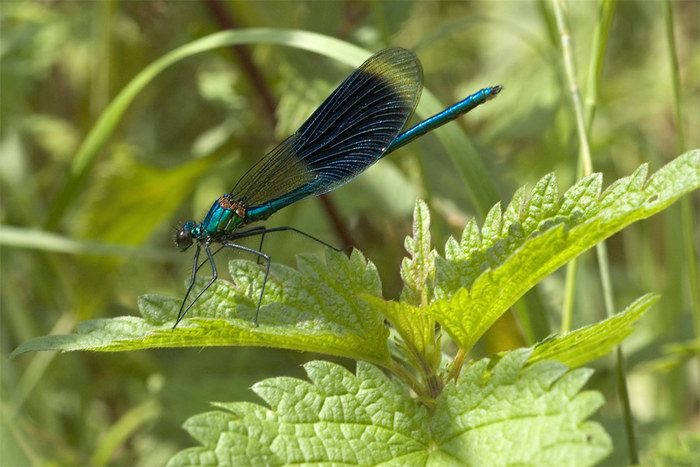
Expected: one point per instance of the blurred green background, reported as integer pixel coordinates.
(192, 132)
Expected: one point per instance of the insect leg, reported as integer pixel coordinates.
(262, 231)
(195, 268)
(262, 255)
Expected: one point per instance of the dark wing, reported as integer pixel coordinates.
(349, 132)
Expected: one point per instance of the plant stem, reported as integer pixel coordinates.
(568, 57)
(584, 164)
(404, 375)
(257, 81)
(625, 400)
(583, 126)
(457, 364)
(569, 292)
(687, 214)
(600, 41)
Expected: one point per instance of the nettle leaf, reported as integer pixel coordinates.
(492, 416)
(316, 308)
(418, 271)
(538, 234)
(508, 415)
(418, 341)
(593, 341)
(408, 316)
(337, 417)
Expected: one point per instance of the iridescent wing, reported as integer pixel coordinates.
(350, 131)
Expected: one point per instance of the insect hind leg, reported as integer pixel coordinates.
(260, 255)
(262, 231)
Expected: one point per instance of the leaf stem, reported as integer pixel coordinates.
(404, 375)
(457, 364)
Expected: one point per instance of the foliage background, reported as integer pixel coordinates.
(199, 125)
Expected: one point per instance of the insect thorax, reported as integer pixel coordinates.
(224, 216)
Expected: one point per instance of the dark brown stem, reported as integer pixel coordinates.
(226, 21)
(341, 229)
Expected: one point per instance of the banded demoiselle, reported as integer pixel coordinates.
(358, 124)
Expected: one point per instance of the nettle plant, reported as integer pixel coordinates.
(409, 403)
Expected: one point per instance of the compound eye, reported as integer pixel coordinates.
(183, 239)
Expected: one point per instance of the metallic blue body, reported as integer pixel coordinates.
(219, 219)
(443, 117)
(359, 123)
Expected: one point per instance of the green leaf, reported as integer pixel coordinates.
(515, 416)
(539, 234)
(418, 272)
(503, 415)
(416, 329)
(338, 417)
(408, 316)
(315, 308)
(593, 341)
